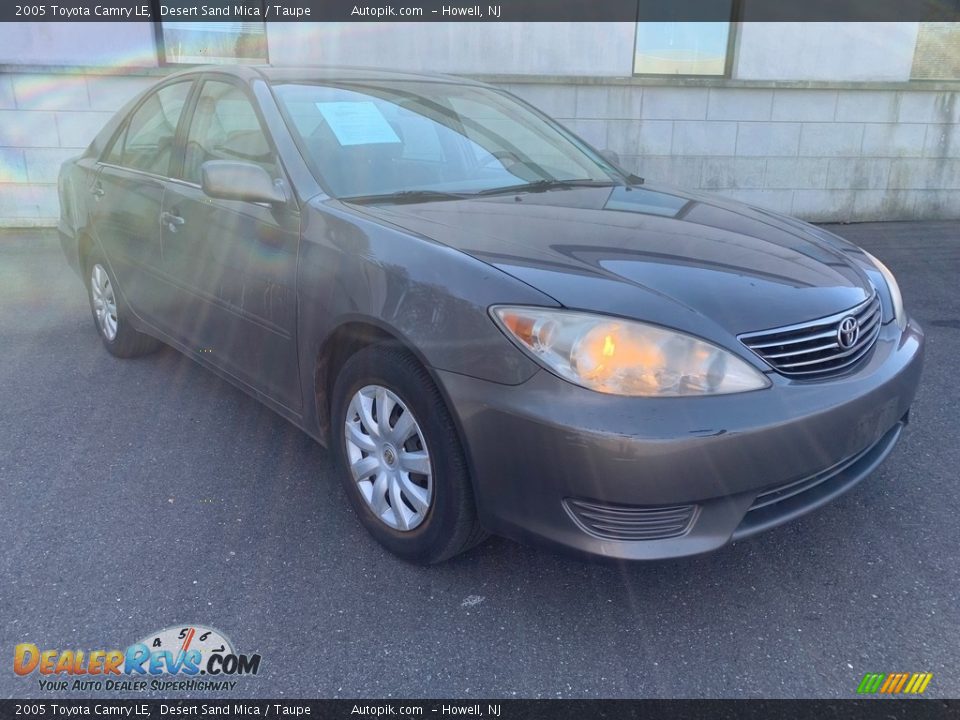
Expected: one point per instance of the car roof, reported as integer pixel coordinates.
(322, 73)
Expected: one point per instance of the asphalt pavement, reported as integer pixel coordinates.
(137, 495)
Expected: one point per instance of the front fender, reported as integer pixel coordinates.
(431, 297)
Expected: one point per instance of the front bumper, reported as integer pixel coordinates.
(641, 478)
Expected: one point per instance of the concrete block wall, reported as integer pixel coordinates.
(853, 154)
(841, 155)
(46, 118)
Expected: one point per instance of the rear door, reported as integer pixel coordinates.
(127, 194)
(237, 261)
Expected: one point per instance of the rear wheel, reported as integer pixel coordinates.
(401, 460)
(110, 315)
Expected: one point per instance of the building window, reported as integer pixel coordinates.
(682, 48)
(937, 55)
(212, 41)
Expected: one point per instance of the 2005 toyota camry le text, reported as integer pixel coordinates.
(492, 325)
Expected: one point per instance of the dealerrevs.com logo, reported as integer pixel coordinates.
(183, 657)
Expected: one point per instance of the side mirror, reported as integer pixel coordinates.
(228, 180)
(612, 156)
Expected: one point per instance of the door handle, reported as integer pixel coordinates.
(97, 191)
(171, 221)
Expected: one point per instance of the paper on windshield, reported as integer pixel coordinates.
(357, 123)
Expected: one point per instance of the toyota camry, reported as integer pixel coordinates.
(493, 326)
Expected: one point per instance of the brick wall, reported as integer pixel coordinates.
(820, 154)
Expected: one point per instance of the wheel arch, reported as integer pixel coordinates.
(85, 245)
(350, 337)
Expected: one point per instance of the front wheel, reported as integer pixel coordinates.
(110, 315)
(400, 458)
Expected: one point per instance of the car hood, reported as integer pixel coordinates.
(650, 253)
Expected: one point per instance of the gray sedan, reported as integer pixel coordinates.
(492, 325)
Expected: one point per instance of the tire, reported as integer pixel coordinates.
(448, 525)
(110, 316)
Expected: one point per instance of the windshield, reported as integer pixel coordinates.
(369, 139)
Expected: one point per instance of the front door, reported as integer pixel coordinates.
(237, 261)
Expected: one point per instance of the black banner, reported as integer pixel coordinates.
(483, 11)
(889, 709)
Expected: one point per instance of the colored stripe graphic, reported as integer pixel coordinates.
(894, 683)
(901, 682)
(871, 682)
(889, 682)
(922, 682)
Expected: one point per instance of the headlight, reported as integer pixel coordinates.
(623, 357)
(896, 299)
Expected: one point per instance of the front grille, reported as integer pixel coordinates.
(631, 522)
(813, 349)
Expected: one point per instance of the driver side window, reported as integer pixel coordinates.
(225, 127)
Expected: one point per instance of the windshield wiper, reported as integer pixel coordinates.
(544, 185)
(405, 196)
(424, 195)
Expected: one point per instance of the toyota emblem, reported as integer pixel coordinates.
(848, 332)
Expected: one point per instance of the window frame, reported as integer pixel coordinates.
(161, 44)
(727, 74)
(180, 145)
(178, 160)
